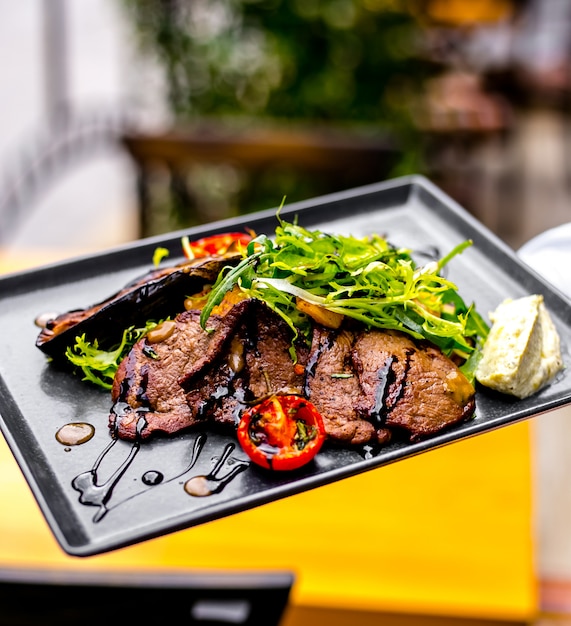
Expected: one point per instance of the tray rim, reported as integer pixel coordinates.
(409, 186)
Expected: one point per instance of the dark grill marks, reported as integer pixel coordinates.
(397, 387)
(390, 389)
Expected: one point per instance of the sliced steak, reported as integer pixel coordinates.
(409, 386)
(381, 360)
(436, 396)
(334, 389)
(147, 383)
(218, 392)
(270, 367)
(256, 363)
(367, 384)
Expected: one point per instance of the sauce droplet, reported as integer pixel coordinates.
(75, 433)
(152, 477)
(213, 482)
(198, 486)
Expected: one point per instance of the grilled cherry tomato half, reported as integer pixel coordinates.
(282, 432)
(215, 244)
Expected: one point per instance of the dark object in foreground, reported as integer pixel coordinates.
(56, 597)
(366, 383)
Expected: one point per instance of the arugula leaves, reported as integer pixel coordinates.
(366, 279)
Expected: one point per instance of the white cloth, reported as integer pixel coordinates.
(549, 254)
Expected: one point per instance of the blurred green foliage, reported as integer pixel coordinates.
(348, 63)
(335, 60)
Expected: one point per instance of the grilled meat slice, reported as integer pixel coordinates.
(380, 363)
(146, 385)
(256, 363)
(269, 364)
(412, 387)
(368, 384)
(217, 392)
(333, 387)
(156, 295)
(436, 396)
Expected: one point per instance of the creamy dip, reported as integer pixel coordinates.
(522, 352)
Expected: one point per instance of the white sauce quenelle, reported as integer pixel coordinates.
(522, 353)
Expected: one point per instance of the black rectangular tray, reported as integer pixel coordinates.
(36, 399)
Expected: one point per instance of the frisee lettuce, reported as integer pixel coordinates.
(366, 279)
(99, 366)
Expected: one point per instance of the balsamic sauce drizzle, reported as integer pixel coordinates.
(387, 378)
(99, 494)
(212, 482)
(324, 345)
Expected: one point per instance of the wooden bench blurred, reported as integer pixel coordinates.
(334, 159)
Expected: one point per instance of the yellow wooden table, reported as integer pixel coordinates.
(446, 533)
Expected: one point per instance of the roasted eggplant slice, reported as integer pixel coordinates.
(156, 295)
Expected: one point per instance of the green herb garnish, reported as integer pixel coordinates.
(99, 366)
(159, 254)
(366, 279)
